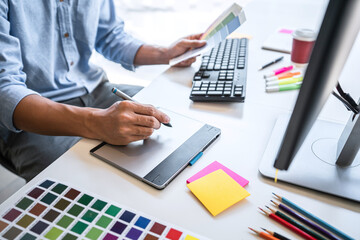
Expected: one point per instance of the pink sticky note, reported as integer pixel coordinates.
(284, 30)
(216, 166)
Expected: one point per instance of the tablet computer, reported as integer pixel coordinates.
(159, 159)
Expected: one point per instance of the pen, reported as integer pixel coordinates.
(284, 81)
(271, 63)
(278, 71)
(124, 96)
(283, 75)
(281, 88)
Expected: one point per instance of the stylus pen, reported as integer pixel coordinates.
(305, 220)
(124, 96)
(271, 63)
(313, 218)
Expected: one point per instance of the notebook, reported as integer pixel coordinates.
(279, 41)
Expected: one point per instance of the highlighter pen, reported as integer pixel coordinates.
(124, 96)
(283, 75)
(281, 88)
(284, 81)
(278, 71)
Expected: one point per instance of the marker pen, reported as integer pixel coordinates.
(278, 71)
(284, 81)
(281, 88)
(283, 75)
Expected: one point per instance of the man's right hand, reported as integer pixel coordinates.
(125, 122)
(120, 124)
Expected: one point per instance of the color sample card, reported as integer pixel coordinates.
(216, 166)
(225, 24)
(217, 191)
(54, 210)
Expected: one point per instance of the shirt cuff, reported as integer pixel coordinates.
(10, 97)
(129, 53)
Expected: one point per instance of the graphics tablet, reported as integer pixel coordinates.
(157, 160)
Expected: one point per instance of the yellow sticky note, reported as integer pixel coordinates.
(188, 237)
(217, 191)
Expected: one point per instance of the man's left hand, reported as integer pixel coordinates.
(183, 45)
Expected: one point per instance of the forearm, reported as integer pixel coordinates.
(148, 54)
(43, 116)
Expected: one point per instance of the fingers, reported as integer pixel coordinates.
(186, 63)
(147, 121)
(195, 36)
(149, 110)
(192, 43)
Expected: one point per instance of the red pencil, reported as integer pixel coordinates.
(288, 225)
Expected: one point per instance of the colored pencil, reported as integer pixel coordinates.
(275, 234)
(305, 221)
(264, 235)
(313, 218)
(297, 224)
(288, 225)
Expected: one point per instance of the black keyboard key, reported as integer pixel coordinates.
(216, 93)
(203, 93)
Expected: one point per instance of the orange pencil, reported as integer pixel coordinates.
(264, 235)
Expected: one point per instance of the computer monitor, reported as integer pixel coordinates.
(323, 155)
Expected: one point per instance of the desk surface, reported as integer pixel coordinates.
(246, 129)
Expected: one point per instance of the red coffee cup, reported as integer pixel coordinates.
(303, 43)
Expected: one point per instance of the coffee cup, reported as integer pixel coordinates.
(303, 43)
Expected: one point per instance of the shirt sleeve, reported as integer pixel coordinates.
(12, 79)
(112, 41)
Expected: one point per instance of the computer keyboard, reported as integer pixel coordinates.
(222, 74)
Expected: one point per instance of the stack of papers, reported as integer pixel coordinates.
(217, 187)
(225, 24)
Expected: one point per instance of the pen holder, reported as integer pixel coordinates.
(303, 43)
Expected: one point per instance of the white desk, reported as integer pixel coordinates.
(246, 129)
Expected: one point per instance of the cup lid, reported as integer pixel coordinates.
(304, 34)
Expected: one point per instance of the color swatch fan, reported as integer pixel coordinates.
(225, 24)
(54, 210)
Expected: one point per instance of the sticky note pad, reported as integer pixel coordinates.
(215, 166)
(217, 191)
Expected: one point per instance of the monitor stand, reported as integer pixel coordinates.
(314, 165)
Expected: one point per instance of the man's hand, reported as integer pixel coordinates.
(120, 124)
(183, 45)
(148, 54)
(126, 122)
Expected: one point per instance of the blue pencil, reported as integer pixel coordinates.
(314, 218)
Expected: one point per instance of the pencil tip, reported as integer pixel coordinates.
(253, 230)
(277, 196)
(263, 229)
